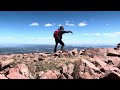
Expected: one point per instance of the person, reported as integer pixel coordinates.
(58, 37)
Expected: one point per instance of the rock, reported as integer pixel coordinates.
(111, 68)
(92, 64)
(118, 66)
(57, 73)
(113, 54)
(106, 68)
(13, 70)
(85, 75)
(8, 57)
(112, 75)
(39, 56)
(43, 54)
(41, 73)
(84, 66)
(44, 77)
(118, 45)
(94, 74)
(57, 54)
(64, 69)
(70, 54)
(95, 51)
(23, 69)
(6, 63)
(103, 51)
(96, 57)
(28, 59)
(82, 52)
(70, 77)
(5, 71)
(40, 59)
(114, 60)
(70, 68)
(89, 64)
(74, 52)
(62, 77)
(116, 48)
(35, 59)
(14, 74)
(49, 75)
(2, 76)
(65, 54)
(101, 63)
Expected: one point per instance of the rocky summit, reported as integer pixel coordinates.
(94, 63)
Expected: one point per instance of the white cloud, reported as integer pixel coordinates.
(48, 25)
(34, 24)
(113, 34)
(32, 38)
(107, 24)
(60, 25)
(93, 34)
(69, 24)
(83, 24)
(11, 38)
(54, 23)
(40, 38)
(97, 34)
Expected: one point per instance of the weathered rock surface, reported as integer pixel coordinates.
(48, 75)
(93, 63)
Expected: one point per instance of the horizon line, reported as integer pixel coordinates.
(54, 44)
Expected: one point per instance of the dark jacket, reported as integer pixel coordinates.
(62, 32)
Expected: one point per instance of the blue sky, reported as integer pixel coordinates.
(37, 27)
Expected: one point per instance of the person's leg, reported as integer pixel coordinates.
(56, 43)
(61, 42)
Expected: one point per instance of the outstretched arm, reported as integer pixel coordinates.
(67, 32)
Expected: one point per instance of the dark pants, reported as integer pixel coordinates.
(56, 43)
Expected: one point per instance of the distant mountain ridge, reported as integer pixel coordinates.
(32, 48)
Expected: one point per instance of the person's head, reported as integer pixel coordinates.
(61, 28)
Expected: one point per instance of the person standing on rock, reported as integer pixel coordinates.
(58, 37)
